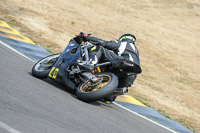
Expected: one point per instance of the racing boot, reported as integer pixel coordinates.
(109, 99)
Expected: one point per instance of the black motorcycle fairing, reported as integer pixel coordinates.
(70, 55)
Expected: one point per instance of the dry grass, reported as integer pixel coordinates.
(168, 39)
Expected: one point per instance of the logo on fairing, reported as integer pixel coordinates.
(67, 50)
(128, 64)
(72, 44)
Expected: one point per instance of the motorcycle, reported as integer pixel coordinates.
(101, 83)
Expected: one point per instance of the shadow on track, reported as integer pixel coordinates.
(63, 88)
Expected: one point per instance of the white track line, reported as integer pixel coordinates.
(114, 102)
(145, 118)
(8, 46)
(8, 128)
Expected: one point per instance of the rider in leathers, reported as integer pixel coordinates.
(123, 48)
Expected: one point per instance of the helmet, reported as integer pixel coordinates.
(127, 36)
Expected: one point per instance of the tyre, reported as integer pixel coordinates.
(42, 68)
(89, 94)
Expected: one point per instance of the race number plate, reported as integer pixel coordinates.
(53, 73)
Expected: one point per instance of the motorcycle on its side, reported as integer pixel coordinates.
(98, 84)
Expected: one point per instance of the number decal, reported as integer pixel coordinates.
(53, 73)
(50, 73)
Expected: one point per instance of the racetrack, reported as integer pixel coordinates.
(31, 105)
(167, 34)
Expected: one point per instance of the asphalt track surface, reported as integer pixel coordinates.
(31, 105)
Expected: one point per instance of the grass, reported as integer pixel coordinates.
(143, 100)
(164, 113)
(13, 21)
(73, 22)
(41, 34)
(184, 123)
(49, 50)
(2, 19)
(180, 80)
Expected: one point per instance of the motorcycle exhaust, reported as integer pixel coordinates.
(120, 91)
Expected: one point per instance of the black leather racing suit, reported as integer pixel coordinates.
(121, 50)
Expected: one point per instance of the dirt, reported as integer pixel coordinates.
(167, 34)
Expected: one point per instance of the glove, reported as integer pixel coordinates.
(82, 36)
(96, 41)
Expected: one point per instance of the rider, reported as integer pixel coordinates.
(123, 48)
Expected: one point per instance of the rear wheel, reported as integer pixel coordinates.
(42, 67)
(109, 83)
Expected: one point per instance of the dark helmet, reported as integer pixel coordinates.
(127, 36)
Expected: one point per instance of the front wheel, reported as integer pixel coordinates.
(89, 94)
(42, 68)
